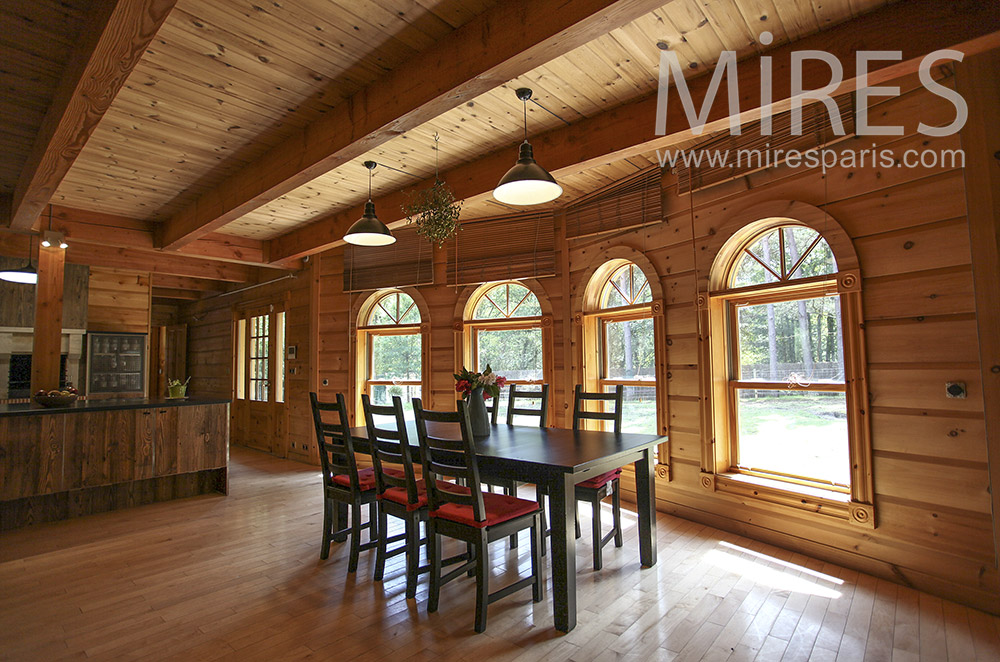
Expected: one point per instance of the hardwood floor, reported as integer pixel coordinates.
(240, 578)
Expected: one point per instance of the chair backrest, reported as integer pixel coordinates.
(390, 446)
(516, 394)
(445, 457)
(493, 408)
(336, 449)
(579, 413)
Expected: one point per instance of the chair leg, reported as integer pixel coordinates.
(380, 550)
(324, 552)
(616, 509)
(540, 498)
(598, 547)
(482, 583)
(536, 558)
(434, 547)
(471, 552)
(412, 556)
(352, 563)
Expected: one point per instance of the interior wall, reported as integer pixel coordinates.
(934, 527)
(118, 301)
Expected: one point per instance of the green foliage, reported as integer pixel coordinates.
(518, 352)
(435, 213)
(396, 357)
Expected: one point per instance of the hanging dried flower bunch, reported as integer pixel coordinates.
(434, 210)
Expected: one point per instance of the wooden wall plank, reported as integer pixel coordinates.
(47, 348)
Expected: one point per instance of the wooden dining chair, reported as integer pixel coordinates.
(343, 482)
(469, 514)
(595, 489)
(399, 492)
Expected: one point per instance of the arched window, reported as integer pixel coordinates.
(505, 331)
(626, 353)
(391, 338)
(786, 387)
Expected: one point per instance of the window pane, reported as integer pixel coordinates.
(513, 353)
(794, 432)
(626, 287)
(818, 262)
(505, 301)
(394, 308)
(396, 357)
(629, 345)
(381, 394)
(638, 410)
(797, 341)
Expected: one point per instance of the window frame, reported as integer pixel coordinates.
(473, 326)
(366, 339)
(854, 504)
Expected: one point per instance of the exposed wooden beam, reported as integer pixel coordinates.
(506, 41)
(111, 230)
(168, 281)
(167, 293)
(111, 43)
(156, 262)
(915, 28)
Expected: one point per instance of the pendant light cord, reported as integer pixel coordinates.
(525, 104)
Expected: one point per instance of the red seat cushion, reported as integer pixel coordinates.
(366, 479)
(399, 495)
(597, 482)
(499, 508)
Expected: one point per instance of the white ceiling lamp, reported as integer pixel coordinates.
(26, 274)
(527, 183)
(368, 230)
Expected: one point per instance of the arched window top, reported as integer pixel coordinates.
(626, 286)
(506, 301)
(781, 254)
(393, 309)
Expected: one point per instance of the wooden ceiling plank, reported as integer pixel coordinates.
(170, 293)
(915, 28)
(109, 47)
(504, 42)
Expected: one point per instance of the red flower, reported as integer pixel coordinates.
(501, 382)
(486, 396)
(463, 386)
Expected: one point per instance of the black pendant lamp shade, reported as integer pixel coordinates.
(26, 274)
(368, 230)
(527, 183)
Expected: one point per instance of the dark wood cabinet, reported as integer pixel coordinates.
(56, 465)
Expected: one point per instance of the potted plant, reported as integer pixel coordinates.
(434, 211)
(476, 388)
(176, 388)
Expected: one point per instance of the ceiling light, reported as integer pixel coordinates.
(51, 238)
(26, 274)
(368, 230)
(527, 183)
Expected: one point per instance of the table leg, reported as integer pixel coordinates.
(562, 511)
(645, 496)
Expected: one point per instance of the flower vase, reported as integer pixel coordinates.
(478, 415)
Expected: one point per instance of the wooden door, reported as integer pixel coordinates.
(258, 414)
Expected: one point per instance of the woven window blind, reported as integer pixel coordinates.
(631, 202)
(517, 246)
(817, 131)
(407, 262)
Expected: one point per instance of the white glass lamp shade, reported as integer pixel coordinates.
(369, 231)
(527, 183)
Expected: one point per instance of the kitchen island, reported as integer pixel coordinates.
(98, 455)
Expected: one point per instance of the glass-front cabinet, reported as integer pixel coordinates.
(116, 363)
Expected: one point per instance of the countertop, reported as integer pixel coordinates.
(27, 409)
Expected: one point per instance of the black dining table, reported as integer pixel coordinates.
(558, 459)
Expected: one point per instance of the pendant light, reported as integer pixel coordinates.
(368, 230)
(527, 183)
(26, 274)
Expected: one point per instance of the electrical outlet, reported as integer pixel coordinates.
(955, 390)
